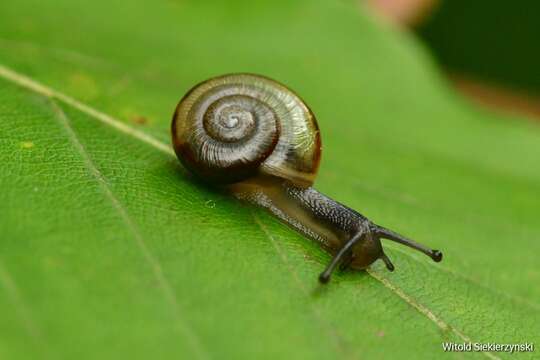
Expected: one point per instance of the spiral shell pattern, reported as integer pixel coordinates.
(233, 127)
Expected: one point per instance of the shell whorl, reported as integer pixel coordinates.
(233, 127)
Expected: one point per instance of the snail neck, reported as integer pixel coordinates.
(305, 209)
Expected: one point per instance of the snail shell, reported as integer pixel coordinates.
(230, 128)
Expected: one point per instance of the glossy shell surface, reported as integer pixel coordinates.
(233, 127)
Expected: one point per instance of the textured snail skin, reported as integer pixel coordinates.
(256, 138)
(313, 214)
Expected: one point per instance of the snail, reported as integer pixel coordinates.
(257, 139)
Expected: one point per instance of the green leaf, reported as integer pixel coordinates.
(109, 250)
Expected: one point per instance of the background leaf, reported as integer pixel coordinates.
(109, 250)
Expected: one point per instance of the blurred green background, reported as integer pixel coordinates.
(494, 41)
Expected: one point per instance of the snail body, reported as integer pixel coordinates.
(258, 139)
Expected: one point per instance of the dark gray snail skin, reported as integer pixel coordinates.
(257, 139)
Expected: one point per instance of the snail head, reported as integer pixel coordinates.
(365, 248)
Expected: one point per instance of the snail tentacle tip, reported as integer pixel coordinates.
(436, 255)
(387, 262)
(324, 278)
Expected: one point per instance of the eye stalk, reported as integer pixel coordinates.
(384, 233)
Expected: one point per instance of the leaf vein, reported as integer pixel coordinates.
(126, 218)
(424, 310)
(46, 91)
(439, 267)
(338, 339)
(15, 297)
